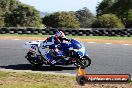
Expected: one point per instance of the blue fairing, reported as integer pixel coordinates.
(86, 55)
(64, 47)
(81, 54)
(75, 44)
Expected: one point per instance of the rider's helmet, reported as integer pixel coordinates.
(59, 36)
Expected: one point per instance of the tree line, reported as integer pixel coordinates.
(110, 14)
(114, 11)
(13, 13)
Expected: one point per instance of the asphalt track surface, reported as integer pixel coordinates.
(106, 58)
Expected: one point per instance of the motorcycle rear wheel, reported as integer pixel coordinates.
(34, 62)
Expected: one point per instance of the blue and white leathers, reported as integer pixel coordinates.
(72, 52)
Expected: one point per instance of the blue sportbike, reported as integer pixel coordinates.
(72, 52)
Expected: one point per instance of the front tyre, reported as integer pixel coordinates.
(34, 60)
(83, 62)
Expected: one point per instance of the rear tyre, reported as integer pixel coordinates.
(52, 65)
(34, 60)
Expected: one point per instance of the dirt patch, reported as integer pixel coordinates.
(80, 39)
(107, 41)
(106, 86)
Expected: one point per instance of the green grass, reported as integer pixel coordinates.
(83, 37)
(25, 35)
(35, 80)
(38, 80)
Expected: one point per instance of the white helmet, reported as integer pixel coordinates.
(59, 35)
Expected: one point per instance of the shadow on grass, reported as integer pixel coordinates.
(43, 68)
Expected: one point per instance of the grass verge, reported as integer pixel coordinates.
(34, 80)
(38, 80)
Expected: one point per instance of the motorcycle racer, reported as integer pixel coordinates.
(52, 43)
(53, 52)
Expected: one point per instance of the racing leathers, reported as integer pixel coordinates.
(52, 44)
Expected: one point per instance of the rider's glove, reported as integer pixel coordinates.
(69, 40)
(66, 39)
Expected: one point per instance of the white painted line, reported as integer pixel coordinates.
(91, 42)
(108, 43)
(126, 44)
(16, 39)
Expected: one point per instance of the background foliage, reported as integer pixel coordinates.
(121, 8)
(108, 21)
(110, 14)
(23, 16)
(61, 20)
(15, 14)
(86, 18)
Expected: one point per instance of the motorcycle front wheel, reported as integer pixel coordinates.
(83, 62)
